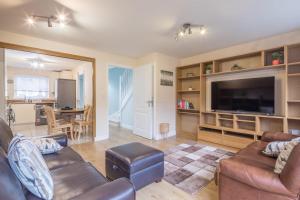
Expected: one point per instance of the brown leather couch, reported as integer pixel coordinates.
(249, 174)
(73, 177)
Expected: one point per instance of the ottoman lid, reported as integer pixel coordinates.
(134, 157)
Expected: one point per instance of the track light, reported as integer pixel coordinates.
(60, 18)
(188, 29)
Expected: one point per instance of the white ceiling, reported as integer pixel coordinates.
(137, 27)
(21, 59)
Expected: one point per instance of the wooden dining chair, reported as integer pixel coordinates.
(57, 126)
(81, 126)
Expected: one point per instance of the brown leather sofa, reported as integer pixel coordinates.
(249, 174)
(73, 177)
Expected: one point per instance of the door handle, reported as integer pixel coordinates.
(150, 103)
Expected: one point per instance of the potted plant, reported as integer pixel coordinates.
(277, 58)
(208, 69)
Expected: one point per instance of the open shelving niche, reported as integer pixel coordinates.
(188, 89)
(238, 130)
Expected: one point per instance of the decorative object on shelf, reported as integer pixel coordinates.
(208, 69)
(191, 105)
(236, 67)
(166, 78)
(188, 29)
(190, 89)
(188, 75)
(277, 58)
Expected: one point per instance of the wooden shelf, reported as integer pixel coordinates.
(245, 121)
(227, 119)
(294, 63)
(293, 101)
(189, 78)
(188, 113)
(294, 75)
(188, 91)
(294, 118)
(247, 70)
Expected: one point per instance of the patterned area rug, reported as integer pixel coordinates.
(191, 167)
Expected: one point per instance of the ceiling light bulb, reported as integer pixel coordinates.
(30, 20)
(42, 65)
(181, 34)
(202, 31)
(61, 17)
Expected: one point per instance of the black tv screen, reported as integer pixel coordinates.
(254, 95)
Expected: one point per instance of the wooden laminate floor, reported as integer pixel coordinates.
(95, 153)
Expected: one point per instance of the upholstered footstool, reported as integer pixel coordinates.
(140, 163)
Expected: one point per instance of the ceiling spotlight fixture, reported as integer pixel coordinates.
(188, 29)
(37, 62)
(54, 19)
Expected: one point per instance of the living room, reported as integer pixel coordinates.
(216, 100)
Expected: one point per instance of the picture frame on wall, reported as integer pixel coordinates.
(166, 78)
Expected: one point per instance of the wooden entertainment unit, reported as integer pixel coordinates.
(239, 129)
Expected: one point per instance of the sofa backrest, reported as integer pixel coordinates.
(290, 176)
(6, 135)
(11, 187)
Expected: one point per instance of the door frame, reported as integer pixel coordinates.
(109, 66)
(11, 46)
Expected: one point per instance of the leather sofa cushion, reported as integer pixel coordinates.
(254, 153)
(134, 157)
(11, 187)
(6, 135)
(74, 180)
(62, 158)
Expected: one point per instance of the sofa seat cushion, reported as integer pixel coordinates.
(254, 153)
(134, 157)
(74, 180)
(62, 158)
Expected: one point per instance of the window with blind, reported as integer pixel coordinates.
(31, 87)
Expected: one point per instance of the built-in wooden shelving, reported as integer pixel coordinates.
(232, 129)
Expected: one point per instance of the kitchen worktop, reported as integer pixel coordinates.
(42, 101)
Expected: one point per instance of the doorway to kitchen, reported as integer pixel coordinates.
(34, 82)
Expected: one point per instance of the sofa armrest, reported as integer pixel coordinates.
(62, 139)
(120, 189)
(259, 178)
(277, 136)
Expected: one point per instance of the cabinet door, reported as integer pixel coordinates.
(25, 113)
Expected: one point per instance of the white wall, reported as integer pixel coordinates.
(102, 61)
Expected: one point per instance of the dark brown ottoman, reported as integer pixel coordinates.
(141, 164)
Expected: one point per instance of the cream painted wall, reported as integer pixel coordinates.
(258, 45)
(102, 62)
(164, 96)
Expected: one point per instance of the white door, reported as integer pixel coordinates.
(143, 101)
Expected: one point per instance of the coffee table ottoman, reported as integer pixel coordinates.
(140, 163)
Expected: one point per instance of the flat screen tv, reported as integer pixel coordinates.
(255, 95)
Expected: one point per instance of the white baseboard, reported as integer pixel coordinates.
(130, 127)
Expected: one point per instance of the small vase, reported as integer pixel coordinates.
(276, 62)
